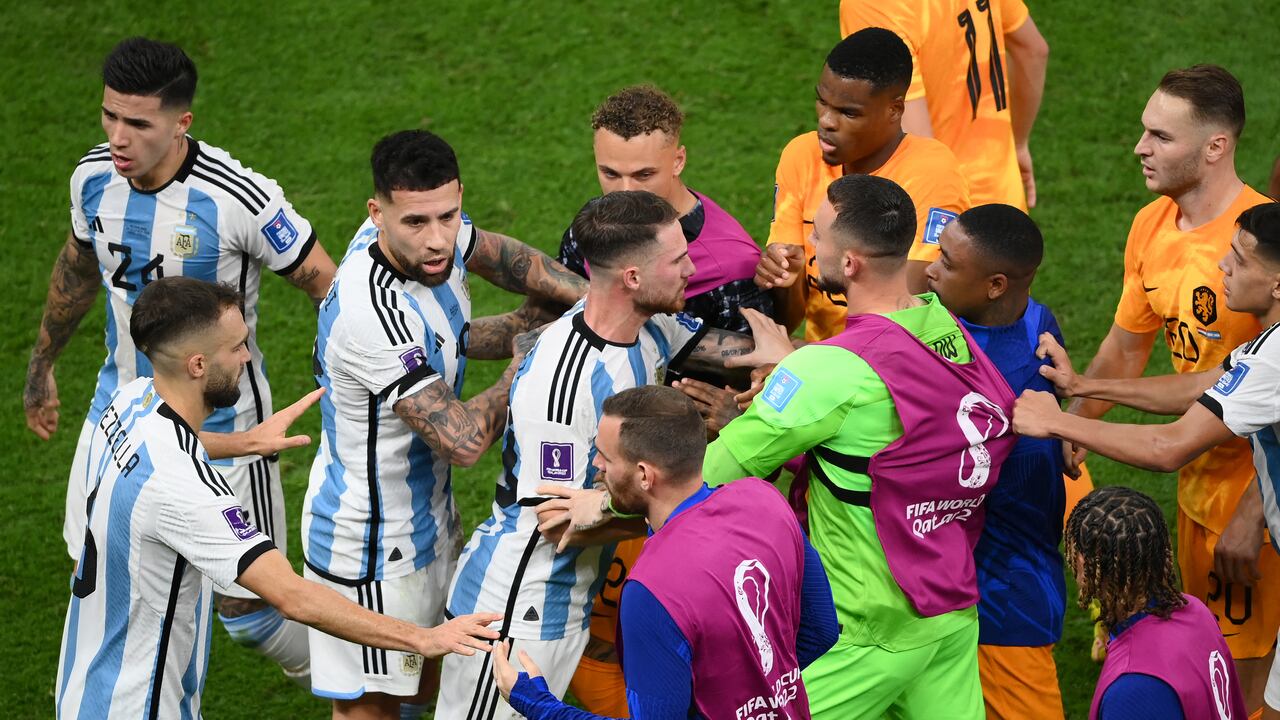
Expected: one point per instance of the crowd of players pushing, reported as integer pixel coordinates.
(175, 483)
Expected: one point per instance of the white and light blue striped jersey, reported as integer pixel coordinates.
(379, 502)
(552, 417)
(163, 526)
(1247, 400)
(217, 221)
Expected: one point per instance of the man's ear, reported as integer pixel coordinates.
(681, 157)
(1217, 146)
(631, 277)
(197, 365)
(997, 285)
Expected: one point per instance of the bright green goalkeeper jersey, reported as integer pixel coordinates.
(826, 395)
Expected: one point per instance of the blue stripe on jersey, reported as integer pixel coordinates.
(660, 339)
(361, 241)
(472, 574)
(422, 487)
(139, 223)
(325, 504)
(202, 212)
(190, 677)
(100, 677)
(635, 355)
(559, 588)
(1270, 444)
(452, 310)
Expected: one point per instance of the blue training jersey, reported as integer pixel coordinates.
(1018, 562)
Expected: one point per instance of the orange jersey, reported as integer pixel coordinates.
(604, 613)
(1172, 283)
(924, 167)
(960, 68)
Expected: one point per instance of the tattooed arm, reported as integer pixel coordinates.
(515, 266)
(72, 289)
(490, 337)
(458, 431)
(314, 274)
(719, 349)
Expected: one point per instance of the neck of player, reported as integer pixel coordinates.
(1004, 310)
(166, 169)
(682, 199)
(1210, 197)
(185, 397)
(873, 162)
(665, 501)
(611, 314)
(880, 296)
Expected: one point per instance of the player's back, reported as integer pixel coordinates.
(554, 409)
(1018, 564)
(379, 502)
(217, 221)
(960, 67)
(136, 637)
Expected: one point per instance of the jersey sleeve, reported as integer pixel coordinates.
(1134, 312)
(79, 224)
(277, 236)
(551, 451)
(1247, 396)
(798, 409)
(681, 332)
(392, 355)
(208, 527)
(789, 189)
(904, 19)
(938, 202)
(1013, 15)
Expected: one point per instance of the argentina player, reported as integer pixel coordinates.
(155, 202)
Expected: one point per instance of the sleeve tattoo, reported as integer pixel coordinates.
(715, 347)
(459, 431)
(73, 286)
(517, 267)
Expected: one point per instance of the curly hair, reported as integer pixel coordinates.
(638, 110)
(1118, 537)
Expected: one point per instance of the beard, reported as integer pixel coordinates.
(828, 284)
(656, 303)
(415, 272)
(222, 390)
(1179, 178)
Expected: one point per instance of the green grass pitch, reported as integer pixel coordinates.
(301, 91)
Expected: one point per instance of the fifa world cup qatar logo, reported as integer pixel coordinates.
(1220, 681)
(980, 420)
(751, 588)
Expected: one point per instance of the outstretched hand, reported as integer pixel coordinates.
(1060, 373)
(772, 341)
(504, 674)
(463, 635)
(271, 435)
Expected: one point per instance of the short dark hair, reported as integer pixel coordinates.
(139, 66)
(875, 55)
(1215, 94)
(873, 213)
(412, 160)
(1007, 238)
(1263, 222)
(1120, 538)
(618, 225)
(638, 110)
(169, 309)
(660, 426)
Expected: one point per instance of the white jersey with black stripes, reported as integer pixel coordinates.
(379, 503)
(163, 526)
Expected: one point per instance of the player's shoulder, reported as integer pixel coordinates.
(229, 179)
(1248, 198)
(802, 151)
(1153, 215)
(929, 153)
(97, 161)
(177, 456)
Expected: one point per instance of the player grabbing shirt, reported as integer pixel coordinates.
(978, 76)
(859, 131)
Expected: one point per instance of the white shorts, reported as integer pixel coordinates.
(256, 485)
(467, 690)
(344, 671)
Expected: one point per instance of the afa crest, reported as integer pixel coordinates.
(1204, 305)
(185, 242)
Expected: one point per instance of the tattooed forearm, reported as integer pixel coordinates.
(490, 338)
(73, 285)
(515, 266)
(717, 346)
(460, 432)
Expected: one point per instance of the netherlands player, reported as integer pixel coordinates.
(859, 105)
(1173, 289)
(164, 526)
(750, 605)
(153, 202)
(622, 335)
(983, 275)
(894, 522)
(1242, 402)
(379, 522)
(977, 80)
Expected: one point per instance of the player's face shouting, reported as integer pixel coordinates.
(957, 276)
(1172, 146)
(1250, 282)
(652, 162)
(418, 230)
(145, 139)
(665, 276)
(854, 121)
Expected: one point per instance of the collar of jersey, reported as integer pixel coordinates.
(580, 324)
(375, 251)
